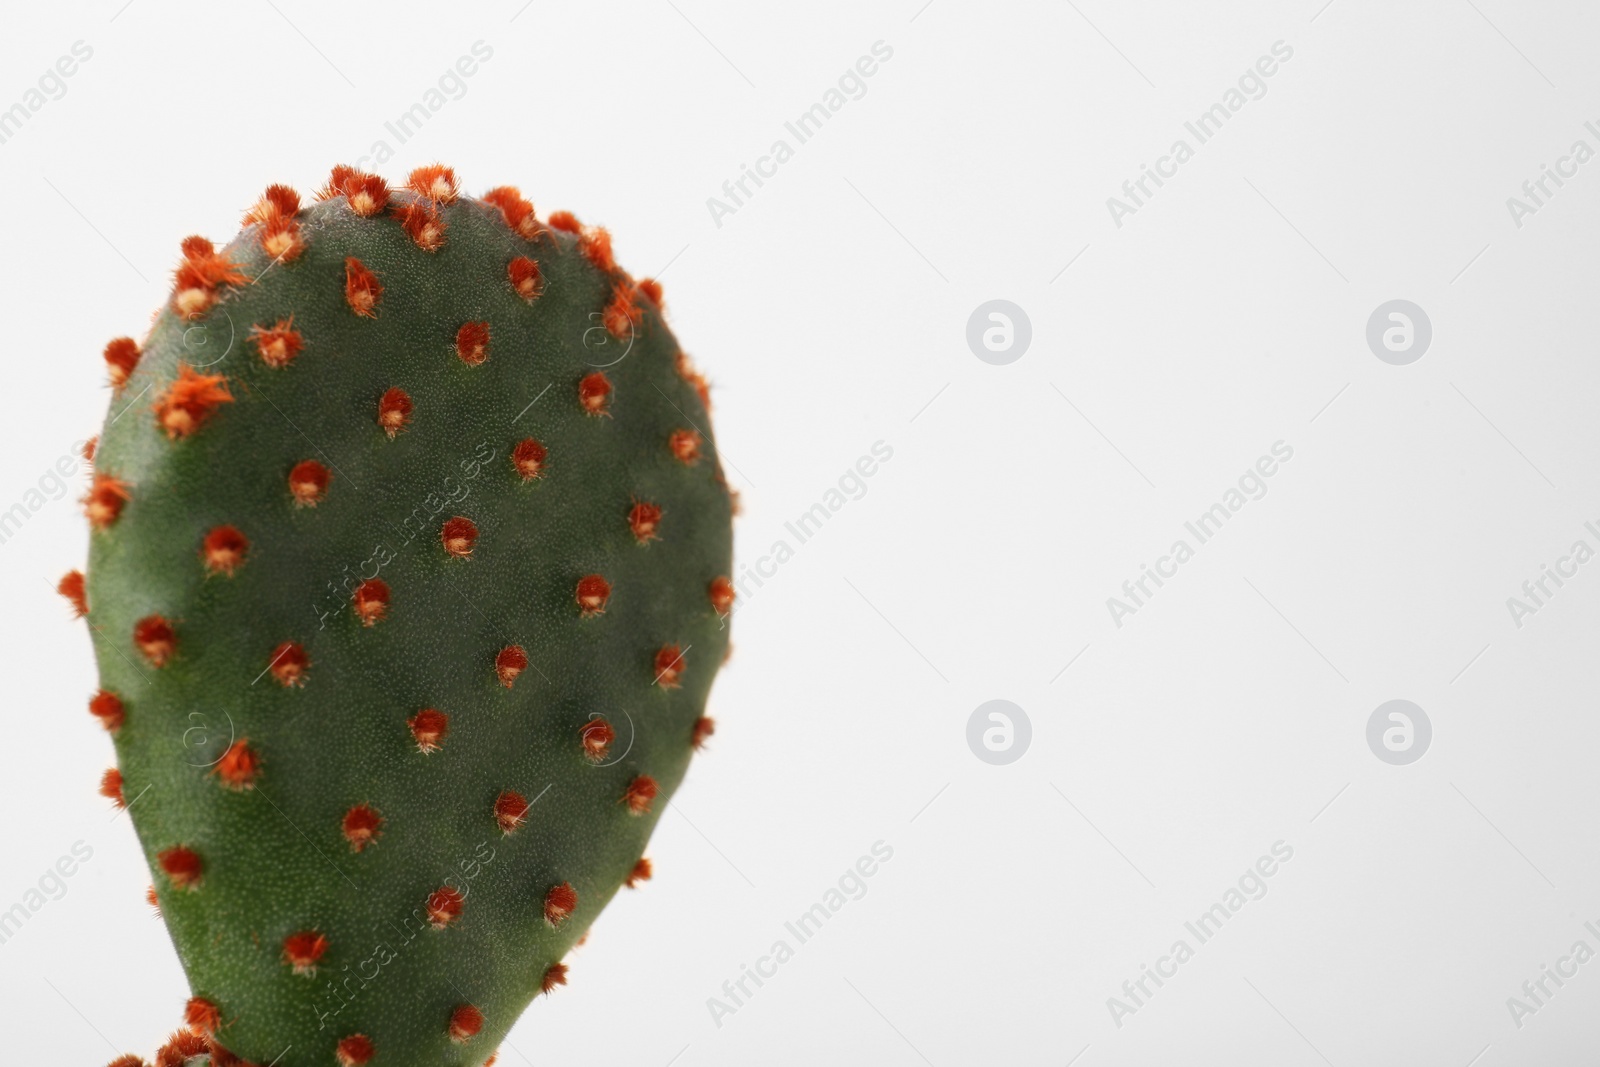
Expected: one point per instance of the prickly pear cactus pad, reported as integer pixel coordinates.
(407, 584)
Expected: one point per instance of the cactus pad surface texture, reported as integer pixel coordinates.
(407, 584)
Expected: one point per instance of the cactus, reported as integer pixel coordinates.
(407, 584)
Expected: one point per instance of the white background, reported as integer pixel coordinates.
(830, 311)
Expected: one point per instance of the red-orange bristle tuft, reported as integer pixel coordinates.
(596, 735)
(371, 601)
(458, 536)
(517, 211)
(436, 182)
(394, 410)
(121, 356)
(685, 446)
(308, 483)
(704, 727)
(428, 728)
(181, 1047)
(640, 794)
(196, 247)
(289, 664)
(107, 707)
(277, 344)
(224, 549)
(111, 787)
(301, 951)
(182, 866)
(202, 1016)
(528, 457)
(239, 766)
(211, 267)
(335, 183)
(284, 198)
(501, 196)
(652, 291)
(644, 519)
(362, 290)
(465, 1022)
(367, 194)
(154, 637)
(554, 975)
(130, 1060)
(275, 212)
(721, 592)
(565, 221)
(204, 266)
(595, 244)
(197, 277)
(280, 238)
(510, 809)
(71, 586)
(669, 666)
(593, 592)
(422, 223)
(622, 316)
(509, 663)
(472, 343)
(560, 903)
(88, 448)
(277, 201)
(361, 826)
(641, 873)
(190, 400)
(353, 1051)
(594, 393)
(444, 906)
(104, 501)
(525, 277)
(191, 296)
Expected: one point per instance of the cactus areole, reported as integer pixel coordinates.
(406, 598)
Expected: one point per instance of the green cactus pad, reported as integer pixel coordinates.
(355, 647)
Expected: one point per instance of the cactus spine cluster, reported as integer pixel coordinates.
(407, 584)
